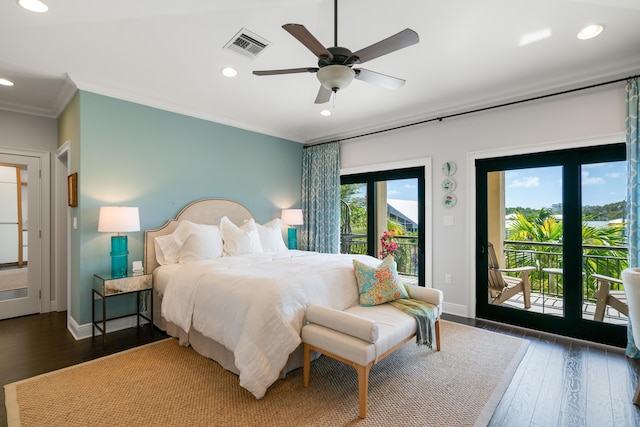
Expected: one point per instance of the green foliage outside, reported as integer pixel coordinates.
(350, 195)
(541, 226)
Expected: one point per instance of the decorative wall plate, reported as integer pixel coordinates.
(449, 200)
(448, 168)
(448, 185)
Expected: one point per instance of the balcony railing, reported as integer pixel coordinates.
(547, 281)
(406, 255)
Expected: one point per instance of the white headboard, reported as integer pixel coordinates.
(205, 211)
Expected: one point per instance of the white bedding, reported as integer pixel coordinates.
(254, 304)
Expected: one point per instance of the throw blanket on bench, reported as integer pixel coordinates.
(424, 314)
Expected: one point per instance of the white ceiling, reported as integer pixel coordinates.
(168, 54)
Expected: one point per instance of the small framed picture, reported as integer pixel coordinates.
(72, 184)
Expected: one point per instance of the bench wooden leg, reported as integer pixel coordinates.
(363, 387)
(306, 370)
(437, 334)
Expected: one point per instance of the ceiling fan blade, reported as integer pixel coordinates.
(286, 71)
(404, 38)
(324, 95)
(306, 38)
(379, 79)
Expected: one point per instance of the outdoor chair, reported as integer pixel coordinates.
(631, 282)
(606, 296)
(503, 286)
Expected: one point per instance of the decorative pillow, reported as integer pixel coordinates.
(271, 236)
(377, 285)
(240, 240)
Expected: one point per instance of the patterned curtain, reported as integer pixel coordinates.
(321, 198)
(633, 188)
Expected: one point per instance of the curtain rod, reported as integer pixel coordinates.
(477, 110)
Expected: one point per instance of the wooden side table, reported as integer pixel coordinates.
(105, 286)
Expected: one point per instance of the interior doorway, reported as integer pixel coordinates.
(20, 232)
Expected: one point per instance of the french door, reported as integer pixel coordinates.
(392, 201)
(550, 226)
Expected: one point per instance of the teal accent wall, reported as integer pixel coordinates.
(133, 155)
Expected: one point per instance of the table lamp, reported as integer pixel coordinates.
(292, 217)
(119, 219)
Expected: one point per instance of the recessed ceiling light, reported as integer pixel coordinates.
(325, 112)
(229, 72)
(5, 82)
(33, 5)
(590, 31)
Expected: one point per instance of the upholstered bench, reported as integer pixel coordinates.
(362, 336)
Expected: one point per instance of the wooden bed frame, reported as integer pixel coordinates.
(205, 211)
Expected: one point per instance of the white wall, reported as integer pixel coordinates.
(578, 119)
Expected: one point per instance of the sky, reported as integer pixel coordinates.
(602, 183)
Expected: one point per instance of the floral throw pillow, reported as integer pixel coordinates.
(377, 285)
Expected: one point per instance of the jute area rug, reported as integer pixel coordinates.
(14, 278)
(163, 384)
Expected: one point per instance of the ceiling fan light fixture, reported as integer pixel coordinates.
(335, 77)
(33, 5)
(5, 82)
(325, 113)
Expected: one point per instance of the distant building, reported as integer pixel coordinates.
(405, 212)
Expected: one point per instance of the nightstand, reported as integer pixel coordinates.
(105, 287)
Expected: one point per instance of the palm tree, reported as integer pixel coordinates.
(546, 228)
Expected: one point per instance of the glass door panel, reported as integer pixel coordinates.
(604, 249)
(524, 214)
(353, 219)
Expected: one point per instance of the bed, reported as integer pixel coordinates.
(245, 310)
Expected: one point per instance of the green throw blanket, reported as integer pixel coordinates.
(424, 314)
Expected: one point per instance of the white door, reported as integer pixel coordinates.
(20, 281)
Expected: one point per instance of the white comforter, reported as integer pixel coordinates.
(254, 304)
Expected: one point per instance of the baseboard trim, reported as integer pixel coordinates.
(457, 309)
(84, 331)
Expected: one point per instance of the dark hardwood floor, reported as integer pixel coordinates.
(33, 345)
(560, 382)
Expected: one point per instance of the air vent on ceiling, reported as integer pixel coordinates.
(247, 43)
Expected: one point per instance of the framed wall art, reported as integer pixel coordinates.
(72, 184)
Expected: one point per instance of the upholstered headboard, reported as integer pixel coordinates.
(205, 211)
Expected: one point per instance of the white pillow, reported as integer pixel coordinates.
(204, 242)
(167, 249)
(271, 236)
(240, 240)
(189, 242)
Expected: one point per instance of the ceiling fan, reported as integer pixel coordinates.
(335, 64)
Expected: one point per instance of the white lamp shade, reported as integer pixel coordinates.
(292, 217)
(335, 77)
(118, 219)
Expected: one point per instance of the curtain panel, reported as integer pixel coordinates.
(632, 123)
(321, 198)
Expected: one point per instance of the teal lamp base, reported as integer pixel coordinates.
(119, 256)
(293, 241)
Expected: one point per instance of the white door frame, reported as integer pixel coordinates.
(62, 232)
(44, 224)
